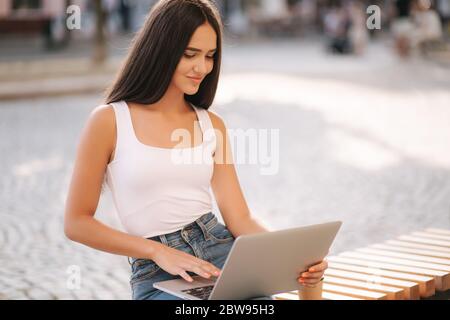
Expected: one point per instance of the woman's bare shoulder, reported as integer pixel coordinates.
(100, 126)
(102, 114)
(102, 117)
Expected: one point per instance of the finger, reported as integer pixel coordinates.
(198, 266)
(312, 274)
(210, 268)
(213, 271)
(185, 276)
(319, 267)
(200, 271)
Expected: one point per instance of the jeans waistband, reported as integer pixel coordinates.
(204, 222)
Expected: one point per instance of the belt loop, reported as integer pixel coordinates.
(128, 258)
(164, 240)
(203, 228)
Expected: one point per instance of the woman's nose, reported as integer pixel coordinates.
(200, 67)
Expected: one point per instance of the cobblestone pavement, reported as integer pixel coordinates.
(361, 140)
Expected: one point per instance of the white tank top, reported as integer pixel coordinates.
(159, 190)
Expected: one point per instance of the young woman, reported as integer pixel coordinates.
(166, 84)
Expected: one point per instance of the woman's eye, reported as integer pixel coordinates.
(191, 56)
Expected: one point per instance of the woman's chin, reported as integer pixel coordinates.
(191, 91)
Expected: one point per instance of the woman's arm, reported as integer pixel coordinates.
(94, 150)
(236, 214)
(226, 188)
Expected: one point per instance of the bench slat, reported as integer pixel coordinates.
(439, 243)
(431, 235)
(392, 293)
(420, 252)
(356, 293)
(441, 278)
(410, 289)
(417, 245)
(438, 231)
(375, 259)
(426, 284)
(325, 296)
(406, 259)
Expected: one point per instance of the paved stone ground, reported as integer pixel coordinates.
(364, 140)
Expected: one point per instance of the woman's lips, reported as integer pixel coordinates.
(195, 79)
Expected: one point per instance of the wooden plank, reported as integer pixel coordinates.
(334, 296)
(392, 293)
(293, 295)
(409, 259)
(356, 293)
(408, 244)
(325, 296)
(431, 235)
(439, 243)
(367, 256)
(441, 278)
(426, 284)
(410, 289)
(428, 253)
(438, 231)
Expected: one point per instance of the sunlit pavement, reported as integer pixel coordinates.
(362, 140)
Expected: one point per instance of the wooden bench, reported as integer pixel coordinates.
(34, 23)
(24, 24)
(411, 267)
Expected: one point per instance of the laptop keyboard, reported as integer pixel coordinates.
(200, 292)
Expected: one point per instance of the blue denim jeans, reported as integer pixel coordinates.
(206, 238)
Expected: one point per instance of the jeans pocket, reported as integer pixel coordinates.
(143, 269)
(220, 233)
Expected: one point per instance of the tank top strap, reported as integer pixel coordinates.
(206, 127)
(123, 126)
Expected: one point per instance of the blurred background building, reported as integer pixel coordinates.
(43, 22)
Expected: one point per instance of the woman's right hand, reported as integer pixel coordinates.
(177, 262)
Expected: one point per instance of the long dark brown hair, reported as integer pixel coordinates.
(157, 49)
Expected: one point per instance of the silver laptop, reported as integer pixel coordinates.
(260, 265)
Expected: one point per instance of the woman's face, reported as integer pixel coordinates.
(197, 60)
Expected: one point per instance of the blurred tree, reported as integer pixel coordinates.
(100, 51)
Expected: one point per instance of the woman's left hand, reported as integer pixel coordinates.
(314, 274)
